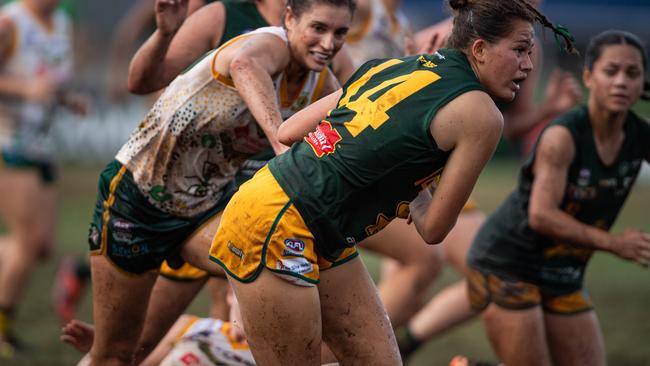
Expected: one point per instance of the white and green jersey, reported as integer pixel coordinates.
(199, 132)
(37, 51)
(207, 342)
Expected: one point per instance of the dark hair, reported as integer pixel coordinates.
(616, 37)
(298, 7)
(491, 20)
(609, 38)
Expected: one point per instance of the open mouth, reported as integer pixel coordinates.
(321, 57)
(516, 83)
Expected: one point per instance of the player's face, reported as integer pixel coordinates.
(507, 63)
(318, 34)
(616, 81)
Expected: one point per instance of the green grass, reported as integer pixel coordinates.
(620, 290)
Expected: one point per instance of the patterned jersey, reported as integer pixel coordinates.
(373, 153)
(207, 342)
(198, 133)
(37, 52)
(594, 195)
(381, 36)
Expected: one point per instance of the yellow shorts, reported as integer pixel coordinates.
(484, 288)
(260, 228)
(186, 272)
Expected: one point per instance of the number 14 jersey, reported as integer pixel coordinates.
(374, 152)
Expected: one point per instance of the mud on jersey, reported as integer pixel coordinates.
(197, 135)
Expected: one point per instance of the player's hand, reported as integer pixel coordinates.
(633, 245)
(562, 92)
(40, 90)
(418, 207)
(170, 15)
(79, 335)
(434, 43)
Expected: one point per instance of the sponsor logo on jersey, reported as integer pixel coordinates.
(296, 265)
(122, 230)
(426, 63)
(235, 250)
(129, 251)
(323, 140)
(295, 245)
(583, 177)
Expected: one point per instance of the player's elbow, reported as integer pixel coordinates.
(435, 234)
(240, 64)
(284, 135)
(538, 219)
(138, 86)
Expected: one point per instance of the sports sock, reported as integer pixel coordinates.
(407, 343)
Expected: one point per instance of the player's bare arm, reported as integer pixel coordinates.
(472, 135)
(252, 66)
(176, 42)
(554, 155)
(305, 121)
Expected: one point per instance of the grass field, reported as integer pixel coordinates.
(621, 291)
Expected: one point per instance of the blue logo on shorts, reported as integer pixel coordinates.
(294, 247)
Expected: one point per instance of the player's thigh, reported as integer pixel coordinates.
(19, 206)
(281, 320)
(517, 336)
(119, 305)
(355, 324)
(575, 339)
(401, 242)
(196, 248)
(458, 241)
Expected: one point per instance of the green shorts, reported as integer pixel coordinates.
(46, 169)
(485, 287)
(133, 234)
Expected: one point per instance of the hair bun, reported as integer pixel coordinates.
(458, 4)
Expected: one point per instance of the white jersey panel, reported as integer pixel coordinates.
(195, 138)
(207, 343)
(37, 52)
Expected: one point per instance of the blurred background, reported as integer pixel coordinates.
(621, 291)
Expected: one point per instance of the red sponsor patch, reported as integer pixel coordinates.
(323, 140)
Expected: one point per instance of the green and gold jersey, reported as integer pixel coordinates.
(594, 195)
(374, 152)
(241, 17)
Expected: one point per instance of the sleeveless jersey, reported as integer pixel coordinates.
(36, 52)
(594, 195)
(207, 342)
(381, 36)
(198, 133)
(241, 17)
(374, 152)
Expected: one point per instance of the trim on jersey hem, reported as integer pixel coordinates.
(292, 274)
(262, 263)
(342, 261)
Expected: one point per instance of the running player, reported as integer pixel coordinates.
(522, 119)
(35, 67)
(290, 251)
(528, 260)
(210, 27)
(173, 174)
